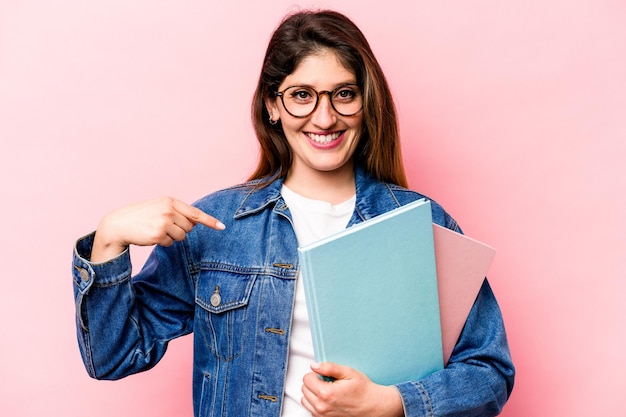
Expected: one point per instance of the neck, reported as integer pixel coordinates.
(332, 186)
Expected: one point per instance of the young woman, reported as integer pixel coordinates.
(330, 158)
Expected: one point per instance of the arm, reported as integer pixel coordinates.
(161, 221)
(120, 331)
(124, 324)
(479, 376)
(476, 382)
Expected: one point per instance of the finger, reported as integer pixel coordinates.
(182, 222)
(196, 215)
(306, 404)
(330, 370)
(308, 401)
(317, 391)
(176, 232)
(165, 241)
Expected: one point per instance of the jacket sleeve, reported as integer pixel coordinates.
(479, 376)
(124, 324)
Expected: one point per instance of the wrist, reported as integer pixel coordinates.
(394, 403)
(104, 248)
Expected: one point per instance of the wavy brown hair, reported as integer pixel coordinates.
(305, 33)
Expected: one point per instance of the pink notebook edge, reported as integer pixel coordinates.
(462, 265)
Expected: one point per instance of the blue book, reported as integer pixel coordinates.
(372, 299)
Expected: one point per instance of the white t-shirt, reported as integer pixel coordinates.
(312, 220)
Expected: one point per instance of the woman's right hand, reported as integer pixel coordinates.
(155, 222)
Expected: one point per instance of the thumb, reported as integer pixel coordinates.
(331, 370)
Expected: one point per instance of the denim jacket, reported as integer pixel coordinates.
(235, 290)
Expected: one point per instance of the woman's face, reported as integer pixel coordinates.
(324, 141)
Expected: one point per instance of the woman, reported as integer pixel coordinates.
(330, 158)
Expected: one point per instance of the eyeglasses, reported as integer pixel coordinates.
(300, 101)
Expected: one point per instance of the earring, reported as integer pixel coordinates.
(272, 121)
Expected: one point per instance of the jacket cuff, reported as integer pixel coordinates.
(107, 273)
(415, 399)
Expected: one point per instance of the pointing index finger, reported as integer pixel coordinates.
(196, 215)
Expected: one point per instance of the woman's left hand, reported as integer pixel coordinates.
(351, 393)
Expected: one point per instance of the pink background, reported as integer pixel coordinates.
(513, 116)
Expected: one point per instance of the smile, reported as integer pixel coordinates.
(323, 139)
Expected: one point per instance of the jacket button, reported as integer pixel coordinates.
(216, 298)
(84, 275)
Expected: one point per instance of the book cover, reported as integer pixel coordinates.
(462, 264)
(372, 296)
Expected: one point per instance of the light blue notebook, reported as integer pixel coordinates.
(372, 300)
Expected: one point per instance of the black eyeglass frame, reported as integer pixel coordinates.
(318, 94)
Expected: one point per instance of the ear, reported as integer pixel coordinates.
(272, 108)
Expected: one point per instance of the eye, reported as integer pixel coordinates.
(301, 95)
(346, 94)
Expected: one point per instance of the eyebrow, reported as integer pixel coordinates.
(314, 88)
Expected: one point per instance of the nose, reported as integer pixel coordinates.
(324, 115)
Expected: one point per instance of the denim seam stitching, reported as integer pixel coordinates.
(427, 397)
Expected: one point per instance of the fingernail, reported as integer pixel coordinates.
(220, 225)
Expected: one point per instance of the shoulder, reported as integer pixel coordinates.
(376, 197)
(226, 199)
(241, 199)
(440, 215)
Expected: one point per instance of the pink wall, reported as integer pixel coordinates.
(512, 116)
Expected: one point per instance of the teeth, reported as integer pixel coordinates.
(324, 138)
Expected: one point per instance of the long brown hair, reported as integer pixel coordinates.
(300, 35)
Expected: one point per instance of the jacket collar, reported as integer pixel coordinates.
(259, 197)
(372, 197)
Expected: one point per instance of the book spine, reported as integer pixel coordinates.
(312, 308)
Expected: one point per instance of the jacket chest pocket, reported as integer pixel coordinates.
(222, 300)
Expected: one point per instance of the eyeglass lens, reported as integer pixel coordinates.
(302, 101)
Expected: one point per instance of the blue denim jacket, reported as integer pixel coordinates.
(235, 290)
